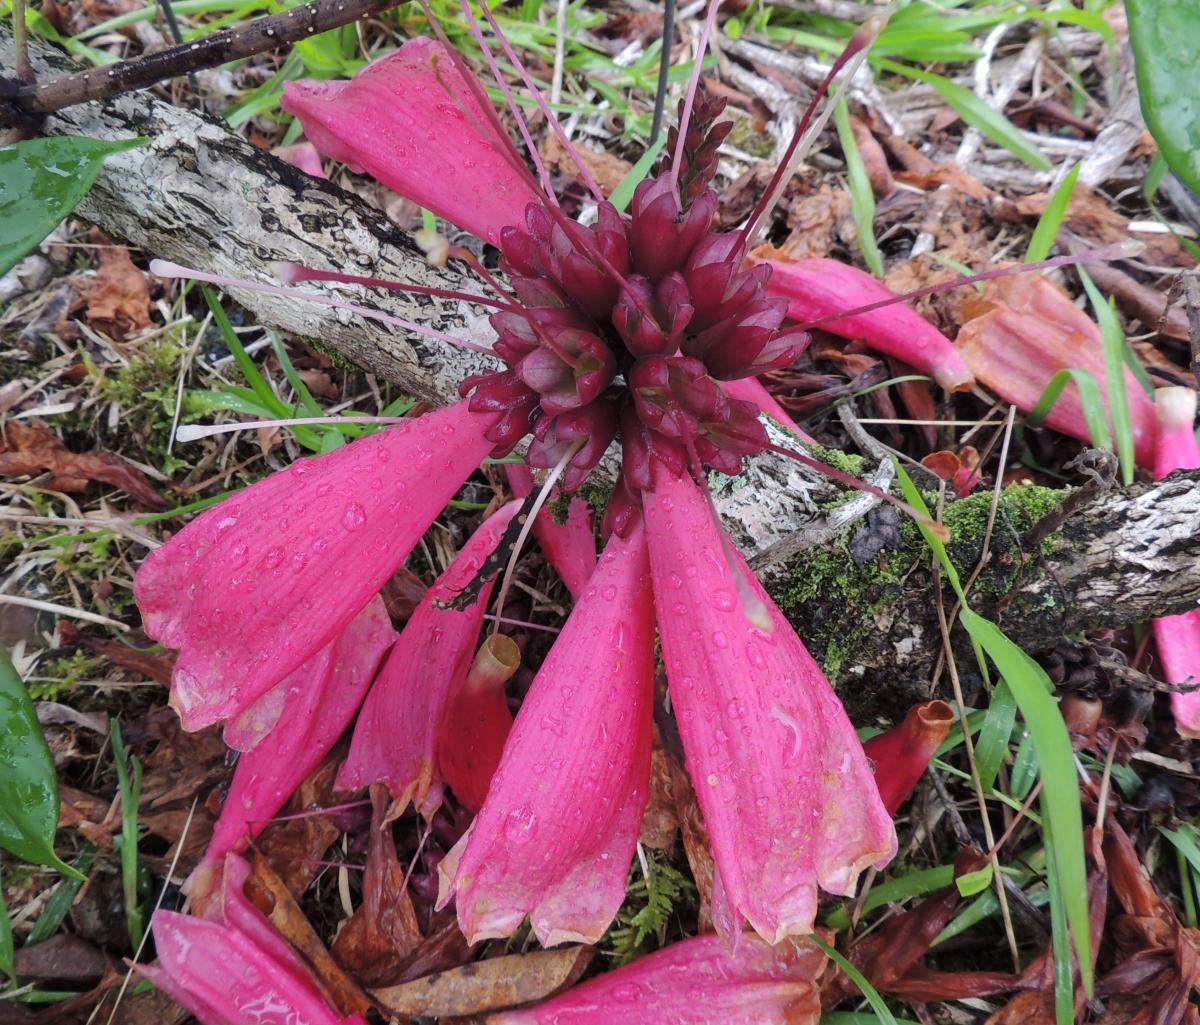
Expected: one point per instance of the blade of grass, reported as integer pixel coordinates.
(862, 199)
(1113, 339)
(882, 1011)
(995, 734)
(6, 937)
(1064, 977)
(916, 884)
(55, 912)
(129, 783)
(1051, 220)
(623, 193)
(1091, 399)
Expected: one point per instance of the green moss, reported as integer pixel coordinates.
(59, 675)
(330, 353)
(748, 139)
(595, 496)
(837, 601)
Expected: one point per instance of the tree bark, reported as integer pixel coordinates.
(199, 195)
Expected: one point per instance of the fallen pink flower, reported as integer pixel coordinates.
(1024, 331)
(413, 122)
(1178, 637)
(817, 288)
(557, 831)
(788, 798)
(477, 723)
(570, 546)
(287, 732)
(254, 587)
(699, 981)
(902, 754)
(395, 738)
(303, 155)
(235, 969)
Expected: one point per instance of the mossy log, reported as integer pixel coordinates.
(858, 582)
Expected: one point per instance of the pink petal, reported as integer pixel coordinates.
(698, 981)
(411, 121)
(902, 754)
(750, 389)
(254, 587)
(570, 547)
(816, 288)
(223, 977)
(321, 698)
(1031, 330)
(472, 732)
(303, 155)
(1178, 637)
(556, 834)
(394, 738)
(787, 794)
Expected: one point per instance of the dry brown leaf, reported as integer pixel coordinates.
(488, 985)
(269, 892)
(29, 448)
(873, 158)
(608, 170)
(659, 824)
(295, 846)
(118, 298)
(64, 959)
(695, 842)
(383, 931)
(154, 665)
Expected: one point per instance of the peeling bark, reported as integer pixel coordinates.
(199, 195)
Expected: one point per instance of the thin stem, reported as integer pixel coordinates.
(297, 272)
(689, 98)
(21, 42)
(664, 67)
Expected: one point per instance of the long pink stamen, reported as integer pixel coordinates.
(689, 99)
(513, 107)
(1117, 251)
(297, 272)
(859, 42)
(166, 269)
(549, 115)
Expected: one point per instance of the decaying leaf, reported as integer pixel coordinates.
(489, 985)
(608, 169)
(659, 823)
(269, 892)
(155, 665)
(118, 298)
(384, 930)
(30, 448)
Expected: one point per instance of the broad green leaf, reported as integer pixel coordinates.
(41, 181)
(971, 883)
(1165, 36)
(28, 786)
(862, 199)
(1051, 220)
(976, 113)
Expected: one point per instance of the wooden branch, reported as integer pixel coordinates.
(201, 196)
(57, 91)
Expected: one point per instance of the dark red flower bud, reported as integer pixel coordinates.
(661, 234)
(597, 422)
(640, 446)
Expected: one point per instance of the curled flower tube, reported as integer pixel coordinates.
(254, 587)
(788, 797)
(413, 122)
(902, 754)
(570, 546)
(234, 969)
(1025, 331)
(557, 830)
(320, 699)
(818, 287)
(1178, 637)
(395, 737)
(699, 981)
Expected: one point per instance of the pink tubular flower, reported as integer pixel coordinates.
(570, 546)
(556, 833)
(787, 795)
(254, 587)
(1027, 332)
(750, 389)
(902, 754)
(290, 729)
(699, 981)
(1178, 637)
(817, 288)
(236, 969)
(413, 122)
(395, 736)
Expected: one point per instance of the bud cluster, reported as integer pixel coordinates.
(627, 326)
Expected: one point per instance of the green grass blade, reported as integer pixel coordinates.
(623, 193)
(915, 884)
(976, 113)
(6, 937)
(1113, 340)
(1051, 220)
(55, 911)
(862, 199)
(129, 783)
(995, 734)
(1064, 976)
(1091, 399)
(882, 1011)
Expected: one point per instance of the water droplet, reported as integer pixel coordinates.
(736, 708)
(273, 558)
(712, 779)
(239, 556)
(609, 593)
(519, 825)
(754, 656)
(299, 561)
(720, 639)
(353, 517)
(723, 600)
